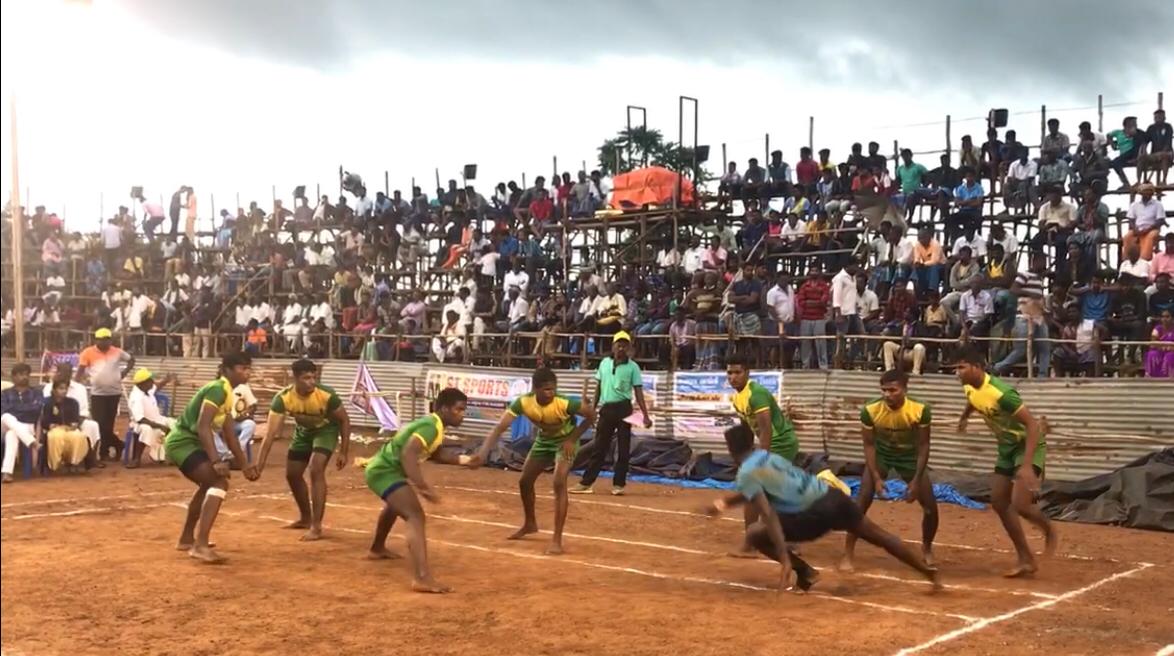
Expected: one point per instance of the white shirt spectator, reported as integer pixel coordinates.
(668, 258)
(589, 307)
(868, 303)
(313, 258)
(519, 308)
(904, 254)
(111, 236)
(693, 260)
(1146, 215)
(1138, 269)
(1062, 215)
(244, 312)
(363, 206)
(173, 297)
(488, 263)
(976, 307)
(1020, 171)
(292, 315)
(781, 304)
(243, 399)
(323, 311)
(261, 312)
(789, 233)
(458, 306)
(354, 241)
(140, 307)
(977, 246)
(1009, 243)
(168, 248)
(143, 405)
(519, 279)
(844, 293)
(183, 280)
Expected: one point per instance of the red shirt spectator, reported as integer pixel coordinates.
(899, 304)
(541, 208)
(813, 299)
(807, 172)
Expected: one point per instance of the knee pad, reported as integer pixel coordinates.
(217, 492)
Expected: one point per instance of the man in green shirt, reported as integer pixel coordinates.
(759, 410)
(1021, 454)
(618, 378)
(321, 423)
(394, 474)
(191, 445)
(557, 443)
(911, 175)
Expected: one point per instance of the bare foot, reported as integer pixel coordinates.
(312, 535)
(300, 524)
(430, 586)
(935, 577)
(523, 532)
(555, 549)
(846, 565)
(382, 553)
(744, 552)
(183, 545)
(1020, 571)
(1051, 541)
(928, 557)
(207, 555)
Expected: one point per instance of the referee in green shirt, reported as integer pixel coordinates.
(618, 377)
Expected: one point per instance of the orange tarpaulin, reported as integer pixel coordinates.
(654, 185)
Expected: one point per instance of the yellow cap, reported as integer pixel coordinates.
(141, 375)
(103, 333)
(622, 335)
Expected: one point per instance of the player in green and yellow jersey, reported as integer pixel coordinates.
(394, 474)
(895, 429)
(557, 443)
(191, 445)
(758, 409)
(1021, 454)
(321, 425)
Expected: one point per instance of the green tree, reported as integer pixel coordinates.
(642, 146)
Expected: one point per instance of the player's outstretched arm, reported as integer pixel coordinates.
(273, 427)
(868, 439)
(228, 432)
(587, 412)
(482, 455)
(207, 437)
(344, 435)
(774, 528)
(719, 505)
(962, 420)
(1026, 473)
(922, 463)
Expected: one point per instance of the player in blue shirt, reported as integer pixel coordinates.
(795, 506)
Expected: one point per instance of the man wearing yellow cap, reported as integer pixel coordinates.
(103, 366)
(146, 420)
(618, 378)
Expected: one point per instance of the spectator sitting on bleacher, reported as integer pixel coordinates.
(1053, 172)
(779, 174)
(976, 307)
(1159, 142)
(913, 184)
(1163, 262)
(1132, 265)
(1056, 218)
(910, 353)
(807, 171)
(754, 181)
(1146, 219)
(1055, 143)
(1129, 319)
(968, 200)
(1000, 272)
(965, 269)
(449, 344)
(714, 257)
(1090, 170)
(831, 195)
(928, 263)
(992, 154)
(1019, 188)
(1127, 142)
(969, 239)
(941, 183)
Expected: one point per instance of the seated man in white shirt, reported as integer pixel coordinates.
(79, 393)
(244, 404)
(450, 343)
(976, 307)
(146, 419)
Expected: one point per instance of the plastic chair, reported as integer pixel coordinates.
(130, 441)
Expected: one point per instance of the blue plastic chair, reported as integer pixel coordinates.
(131, 440)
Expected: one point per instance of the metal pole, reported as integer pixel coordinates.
(725, 161)
(766, 148)
(643, 128)
(1100, 113)
(437, 171)
(1160, 95)
(811, 133)
(17, 244)
(1043, 125)
(386, 183)
(949, 144)
(554, 165)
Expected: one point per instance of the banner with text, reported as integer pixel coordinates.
(709, 391)
(489, 394)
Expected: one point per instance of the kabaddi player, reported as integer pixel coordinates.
(395, 475)
(895, 429)
(759, 409)
(1021, 454)
(795, 506)
(191, 445)
(557, 443)
(321, 425)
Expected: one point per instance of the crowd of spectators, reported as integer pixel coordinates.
(867, 262)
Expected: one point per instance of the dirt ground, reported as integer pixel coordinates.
(89, 567)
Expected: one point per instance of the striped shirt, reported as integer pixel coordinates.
(1032, 294)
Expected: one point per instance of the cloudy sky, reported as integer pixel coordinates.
(239, 97)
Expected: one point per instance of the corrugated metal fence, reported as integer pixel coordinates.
(1095, 425)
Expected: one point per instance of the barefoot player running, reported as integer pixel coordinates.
(795, 506)
(321, 424)
(760, 411)
(394, 474)
(895, 429)
(557, 443)
(1020, 463)
(191, 444)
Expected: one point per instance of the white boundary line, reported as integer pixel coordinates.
(1168, 650)
(984, 623)
(657, 575)
(91, 511)
(46, 502)
(591, 502)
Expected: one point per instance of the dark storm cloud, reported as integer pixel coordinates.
(1083, 45)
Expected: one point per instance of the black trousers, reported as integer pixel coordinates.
(611, 425)
(104, 410)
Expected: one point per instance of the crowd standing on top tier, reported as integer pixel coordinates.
(864, 263)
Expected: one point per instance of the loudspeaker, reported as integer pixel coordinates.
(299, 192)
(997, 118)
(136, 192)
(702, 154)
(470, 171)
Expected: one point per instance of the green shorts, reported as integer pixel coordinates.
(1011, 458)
(322, 440)
(385, 478)
(179, 445)
(902, 462)
(785, 445)
(554, 448)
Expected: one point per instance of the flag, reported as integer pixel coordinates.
(377, 406)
